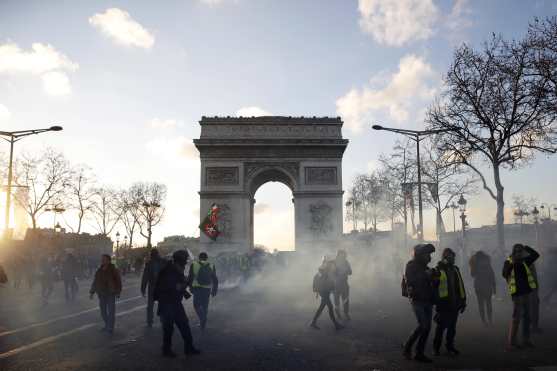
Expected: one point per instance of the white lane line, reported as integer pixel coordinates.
(50, 339)
(48, 322)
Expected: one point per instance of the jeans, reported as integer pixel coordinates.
(325, 302)
(201, 296)
(445, 321)
(423, 313)
(342, 292)
(70, 288)
(484, 305)
(521, 318)
(150, 306)
(174, 314)
(107, 305)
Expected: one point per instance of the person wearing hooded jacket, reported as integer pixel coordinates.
(418, 286)
(171, 288)
(148, 281)
(203, 281)
(450, 301)
(323, 286)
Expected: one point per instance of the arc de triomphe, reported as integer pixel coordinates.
(240, 154)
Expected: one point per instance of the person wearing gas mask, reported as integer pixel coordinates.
(450, 301)
(521, 283)
(171, 288)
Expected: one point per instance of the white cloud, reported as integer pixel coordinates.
(122, 28)
(5, 113)
(175, 148)
(458, 21)
(252, 111)
(42, 60)
(397, 22)
(56, 83)
(157, 123)
(407, 90)
(215, 2)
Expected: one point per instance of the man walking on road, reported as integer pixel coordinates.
(171, 287)
(451, 300)
(342, 290)
(108, 286)
(202, 279)
(521, 283)
(148, 282)
(47, 275)
(484, 284)
(69, 275)
(418, 286)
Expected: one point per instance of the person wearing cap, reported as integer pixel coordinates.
(148, 281)
(419, 288)
(202, 279)
(171, 288)
(450, 301)
(521, 283)
(342, 289)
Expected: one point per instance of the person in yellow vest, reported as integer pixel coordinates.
(521, 283)
(202, 279)
(450, 301)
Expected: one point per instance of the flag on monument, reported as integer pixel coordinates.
(209, 224)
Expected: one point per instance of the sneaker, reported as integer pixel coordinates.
(436, 352)
(422, 358)
(453, 351)
(513, 348)
(314, 326)
(168, 354)
(338, 326)
(192, 351)
(527, 344)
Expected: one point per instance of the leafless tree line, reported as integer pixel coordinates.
(389, 193)
(47, 182)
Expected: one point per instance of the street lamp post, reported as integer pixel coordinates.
(417, 136)
(12, 137)
(118, 244)
(454, 207)
(462, 207)
(535, 213)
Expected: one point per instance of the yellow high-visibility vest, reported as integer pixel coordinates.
(444, 285)
(512, 278)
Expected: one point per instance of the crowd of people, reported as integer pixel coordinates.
(442, 289)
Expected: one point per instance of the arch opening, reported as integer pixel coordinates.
(273, 217)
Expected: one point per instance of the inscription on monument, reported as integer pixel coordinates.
(321, 175)
(222, 176)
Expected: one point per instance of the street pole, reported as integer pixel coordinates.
(9, 189)
(420, 209)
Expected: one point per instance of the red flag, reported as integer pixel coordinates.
(209, 223)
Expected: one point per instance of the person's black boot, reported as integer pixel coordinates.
(436, 352)
(406, 353)
(168, 353)
(422, 358)
(314, 326)
(192, 351)
(452, 351)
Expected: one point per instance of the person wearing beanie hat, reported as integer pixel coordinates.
(450, 301)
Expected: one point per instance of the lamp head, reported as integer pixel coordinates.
(55, 128)
(377, 127)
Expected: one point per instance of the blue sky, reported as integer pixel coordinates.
(130, 79)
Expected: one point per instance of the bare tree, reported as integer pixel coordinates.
(149, 199)
(129, 214)
(522, 206)
(498, 112)
(46, 178)
(105, 209)
(81, 193)
(445, 180)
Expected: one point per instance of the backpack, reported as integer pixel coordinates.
(204, 275)
(404, 286)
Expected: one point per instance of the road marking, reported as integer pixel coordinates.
(50, 339)
(545, 368)
(48, 322)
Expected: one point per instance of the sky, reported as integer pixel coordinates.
(129, 81)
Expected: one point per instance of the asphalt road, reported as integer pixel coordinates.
(250, 328)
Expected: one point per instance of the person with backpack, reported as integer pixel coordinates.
(148, 282)
(418, 286)
(171, 288)
(107, 284)
(342, 289)
(202, 278)
(323, 286)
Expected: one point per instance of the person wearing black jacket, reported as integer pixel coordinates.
(450, 301)
(323, 287)
(521, 282)
(419, 282)
(148, 281)
(171, 287)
